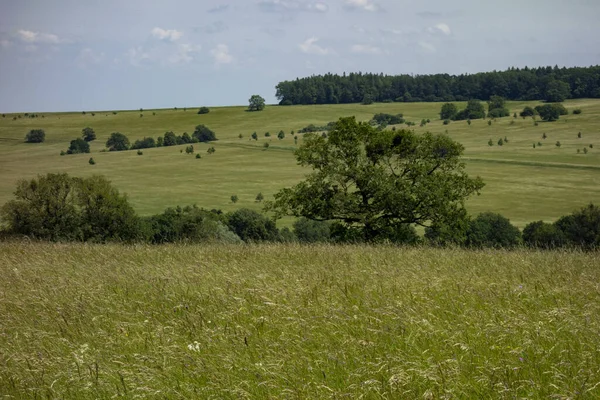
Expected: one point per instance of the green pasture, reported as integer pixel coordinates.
(523, 183)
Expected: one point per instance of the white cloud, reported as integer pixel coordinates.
(167, 34)
(184, 54)
(428, 47)
(366, 5)
(292, 5)
(88, 57)
(137, 56)
(221, 54)
(5, 43)
(309, 46)
(440, 28)
(37, 37)
(366, 49)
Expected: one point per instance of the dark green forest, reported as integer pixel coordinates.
(552, 84)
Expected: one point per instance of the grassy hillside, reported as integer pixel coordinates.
(523, 183)
(275, 321)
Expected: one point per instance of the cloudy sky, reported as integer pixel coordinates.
(59, 55)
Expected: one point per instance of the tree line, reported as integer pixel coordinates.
(552, 84)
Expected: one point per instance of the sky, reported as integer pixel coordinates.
(74, 55)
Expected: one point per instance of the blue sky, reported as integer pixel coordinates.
(60, 55)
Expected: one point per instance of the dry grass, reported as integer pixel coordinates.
(285, 321)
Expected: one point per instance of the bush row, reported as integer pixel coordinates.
(58, 207)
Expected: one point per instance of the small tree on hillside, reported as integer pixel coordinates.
(203, 134)
(256, 103)
(203, 110)
(88, 134)
(280, 135)
(234, 199)
(35, 136)
(448, 111)
(117, 142)
(259, 197)
(78, 146)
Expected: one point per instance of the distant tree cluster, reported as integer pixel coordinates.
(35, 136)
(120, 142)
(552, 84)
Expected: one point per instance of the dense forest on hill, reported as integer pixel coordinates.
(544, 83)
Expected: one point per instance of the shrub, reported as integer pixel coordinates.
(577, 111)
(544, 235)
(189, 149)
(145, 143)
(234, 199)
(498, 113)
(469, 122)
(557, 143)
(492, 230)
(203, 110)
(266, 145)
(448, 111)
(281, 135)
(388, 119)
(254, 136)
(91, 161)
(582, 228)
(240, 136)
(88, 134)
(140, 153)
(490, 142)
(539, 143)
(259, 197)
(78, 146)
(490, 123)
(211, 150)
(117, 142)
(203, 134)
(528, 112)
(585, 150)
(550, 112)
(251, 226)
(500, 142)
(59, 207)
(474, 110)
(544, 136)
(579, 135)
(267, 134)
(198, 155)
(62, 153)
(309, 231)
(189, 224)
(160, 141)
(170, 139)
(446, 121)
(35, 136)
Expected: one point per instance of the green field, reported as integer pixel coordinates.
(522, 183)
(283, 321)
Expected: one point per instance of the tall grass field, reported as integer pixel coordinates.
(286, 321)
(523, 183)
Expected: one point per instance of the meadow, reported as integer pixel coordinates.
(287, 321)
(522, 183)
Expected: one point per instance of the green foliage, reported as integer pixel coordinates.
(59, 207)
(446, 121)
(452, 232)
(388, 119)
(490, 143)
(189, 149)
(577, 111)
(203, 110)
(281, 135)
(469, 122)
(78, 146)
(35, 136)
(544, 136)
(585, 150)
(259, 197)
(497, 107)
(204, 134)
(117, 142)
(528, 112)
(145, 143)
(186, 138)
(189, 225)
(557, 91)
(448, 111)
(266, 145)
(267, 134)
(367, 100)
(558, 143)
(140, 153)
(582, 228)
(91, 161)
(256, 103)
(88, 134)
(474, 110)
(500, 142)
(378, 182)
(160, 141)
(198, 155)
(252, 226)
(579, 135)
(548, 112)
(543, 235)
(489, 123)
(170, 139)
(62, 153)
(211, 150)
(234, 199)
(240, 136)
(492, 230)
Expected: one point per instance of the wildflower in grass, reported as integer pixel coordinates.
(195, 347)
